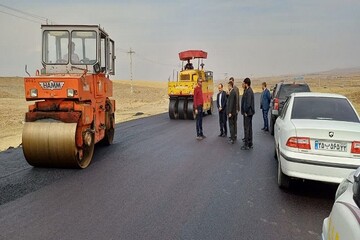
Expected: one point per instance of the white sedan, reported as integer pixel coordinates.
(344, 219)
(317, 137)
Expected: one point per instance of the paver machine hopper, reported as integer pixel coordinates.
(181, 91)
(71, 107)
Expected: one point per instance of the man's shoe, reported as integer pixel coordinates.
(263, 128)
(266, 129)
(199, 138)
(221, 134)
(243, 139)
(203, 136)
(224, 135)
(251, 146)
(244, 148)
(231, 141)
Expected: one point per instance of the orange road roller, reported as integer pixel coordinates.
(71, 108)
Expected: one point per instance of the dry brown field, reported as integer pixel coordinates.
(150, 98)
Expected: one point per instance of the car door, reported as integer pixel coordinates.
(281, 121)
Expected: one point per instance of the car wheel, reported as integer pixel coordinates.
(283, 180)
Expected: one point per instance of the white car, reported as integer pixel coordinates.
(344, 219)
(317, 137)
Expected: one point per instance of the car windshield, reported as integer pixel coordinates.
(287, 89)
(323, 108)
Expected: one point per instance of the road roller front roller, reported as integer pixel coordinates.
(72, 109)
(181, 90)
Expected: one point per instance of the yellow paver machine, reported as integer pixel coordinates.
(181, 91)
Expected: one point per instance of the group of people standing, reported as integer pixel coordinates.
(229, 106)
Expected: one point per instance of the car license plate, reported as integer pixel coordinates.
(330, 146)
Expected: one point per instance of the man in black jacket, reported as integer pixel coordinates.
(236, 89)
(231, 111)
(221, 105)
(248, 108)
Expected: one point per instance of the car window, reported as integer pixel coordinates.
(284, 110)
(287, 89)
(323, 108)
(274, 91)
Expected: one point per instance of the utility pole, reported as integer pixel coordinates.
(131, 52)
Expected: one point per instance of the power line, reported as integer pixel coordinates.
(155, 62)
(34, 21)
(142, 57)
(25, 13)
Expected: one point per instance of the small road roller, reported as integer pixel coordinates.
(181, 91)
(71, 108)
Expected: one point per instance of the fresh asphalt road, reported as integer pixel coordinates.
(157, 182)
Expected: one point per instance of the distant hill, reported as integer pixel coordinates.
(340, 71)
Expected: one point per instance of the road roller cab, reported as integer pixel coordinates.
(181, 91)
(72, 109)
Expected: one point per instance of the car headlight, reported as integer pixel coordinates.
(33, 92)
(342, 187)
(70, 92)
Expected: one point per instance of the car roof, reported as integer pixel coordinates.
(291, 83)
(317, 94)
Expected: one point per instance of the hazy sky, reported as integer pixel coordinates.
(242, 38)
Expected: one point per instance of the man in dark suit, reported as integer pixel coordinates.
(231, 111)
(221, 105)
(265, 105)
(236, 89)
(248, 106)
(241, 108)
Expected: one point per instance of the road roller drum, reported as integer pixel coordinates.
(50, 143)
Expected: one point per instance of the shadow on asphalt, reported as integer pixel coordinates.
(312, 189)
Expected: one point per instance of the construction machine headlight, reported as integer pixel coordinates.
(33, 92)
(70, 92)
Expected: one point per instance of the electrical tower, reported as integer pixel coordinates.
(131, 52)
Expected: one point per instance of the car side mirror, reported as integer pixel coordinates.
(356, 187)
(97, 68)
